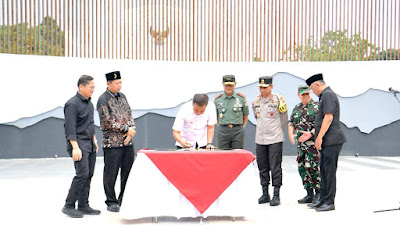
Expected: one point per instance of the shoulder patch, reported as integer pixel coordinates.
(282, 104)
(218, 96)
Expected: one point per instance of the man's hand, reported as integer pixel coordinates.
(318, 143)
(291, 139)
(97, 147)
(305, 136)
(131, 132)
(186, 144)
(76, 154)
(210, 147)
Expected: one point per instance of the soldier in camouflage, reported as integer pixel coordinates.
(301, 128)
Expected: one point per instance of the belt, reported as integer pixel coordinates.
(231, 125)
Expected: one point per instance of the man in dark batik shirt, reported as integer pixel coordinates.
(81, 146)
(118, 128)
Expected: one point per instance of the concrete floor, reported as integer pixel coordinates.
(33, 192)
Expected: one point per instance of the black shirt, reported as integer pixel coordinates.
(79, 123)
(329, 103)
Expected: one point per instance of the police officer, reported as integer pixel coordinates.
(232, 113)
(270, 111)
(301, 128)
(329, 140)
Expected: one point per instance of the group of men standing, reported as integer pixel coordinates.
(314, 126)
(118, 128)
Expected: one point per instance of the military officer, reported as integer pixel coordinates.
(301, 128)
(270, 111)
(232, 113)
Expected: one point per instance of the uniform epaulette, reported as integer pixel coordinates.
(241, 94)
(218, 96)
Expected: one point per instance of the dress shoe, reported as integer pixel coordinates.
(113, 208)
(72, 212)
(325, 207)
(264, 199)
(317, 195)
(315, 205)
(89, 211)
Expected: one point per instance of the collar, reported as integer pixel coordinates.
(325, 90)
(112, 94)
(82, 98)
(234, 95)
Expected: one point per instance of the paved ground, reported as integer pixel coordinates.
(33, 192)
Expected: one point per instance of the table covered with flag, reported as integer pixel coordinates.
(191, 184)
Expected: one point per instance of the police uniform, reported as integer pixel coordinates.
(302, 119)
(272, 117)
(332, 143)
(230, 112)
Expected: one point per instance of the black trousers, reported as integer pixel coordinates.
(328, 164)
(114, 160)
(269, 158)
(80, 186)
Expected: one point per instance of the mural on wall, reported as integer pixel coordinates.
(369, 119)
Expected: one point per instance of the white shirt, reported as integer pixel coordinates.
(192, 127)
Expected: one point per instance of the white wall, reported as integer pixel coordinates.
(32, 85)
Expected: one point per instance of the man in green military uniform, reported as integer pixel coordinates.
(232, 113)
(301, 128)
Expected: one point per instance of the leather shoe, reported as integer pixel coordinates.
(315, 205)
(72, 212)
(89, 211)
(325, 207)
(113, 208)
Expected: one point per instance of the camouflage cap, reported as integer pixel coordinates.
(304, 88)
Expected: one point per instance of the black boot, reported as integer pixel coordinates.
(309, 197)
(316, 196)
(275, 200)
(264, 197)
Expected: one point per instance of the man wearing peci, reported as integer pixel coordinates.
(329, 140)
(118, 128)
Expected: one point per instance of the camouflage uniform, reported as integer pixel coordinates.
(302, 119)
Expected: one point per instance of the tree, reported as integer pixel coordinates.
(390, 54)
(334, 46)
(47, 34)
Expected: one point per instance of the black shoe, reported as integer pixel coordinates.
(317, 195)
(72, 212)
(89, 211)
(309, 197)
(264, 199)
(113, 208)
(325, 207)
(315, 205)
(275, 200)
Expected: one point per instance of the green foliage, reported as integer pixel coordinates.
(390, 54)
(334, 46)
(46, 34)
